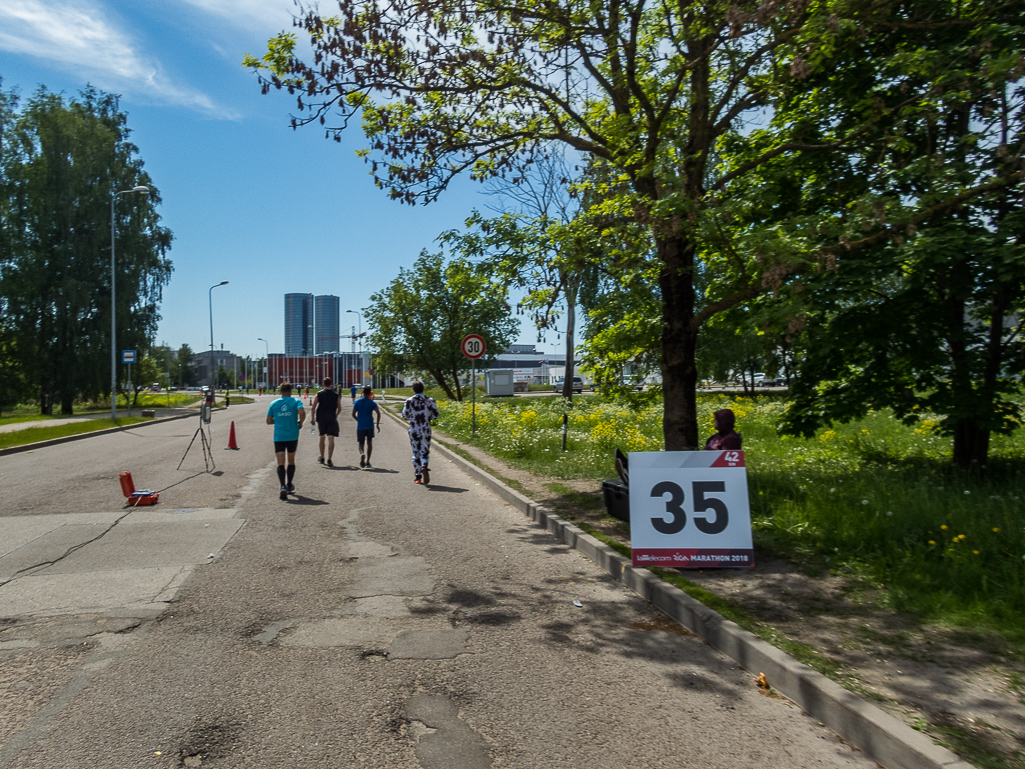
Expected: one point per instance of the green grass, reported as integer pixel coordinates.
(37, 434)
(876, 500)
(149, 399)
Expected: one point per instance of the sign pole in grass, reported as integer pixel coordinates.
(473, 347)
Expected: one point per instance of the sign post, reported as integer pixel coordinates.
(473, 347)
(128, 356)
(690, 509)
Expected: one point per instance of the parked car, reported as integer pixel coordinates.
(624, 382)
(578, 384)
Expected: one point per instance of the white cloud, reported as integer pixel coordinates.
(268, 17)
(76, 35)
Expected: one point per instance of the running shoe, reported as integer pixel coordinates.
(320, 459)
(283, 494)
(330, 463)
(417, 479)
(290, 487)
(362, 460)
(427, 474)
(369, 466)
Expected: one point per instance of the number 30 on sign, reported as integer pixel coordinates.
(689, 509)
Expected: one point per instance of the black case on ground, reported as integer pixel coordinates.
(617, 498)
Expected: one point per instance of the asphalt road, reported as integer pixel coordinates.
(367, 621)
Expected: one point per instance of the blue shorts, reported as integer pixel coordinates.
(362, 435)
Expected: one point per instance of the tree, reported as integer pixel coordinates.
(183, 362)
(144, 373)
(537, 247)
(658, 91)
(64, 159)
(422, 316)
(925, 316)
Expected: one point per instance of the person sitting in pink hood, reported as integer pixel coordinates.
(726, 437)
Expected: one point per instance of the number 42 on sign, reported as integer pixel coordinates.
(690, 509)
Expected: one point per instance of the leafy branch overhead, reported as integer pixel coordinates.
(754, 143)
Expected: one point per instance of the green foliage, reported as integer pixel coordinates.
(422, 316)
(63, 162)
(873, 498)
(741, 147)
(37, 434)
(183, 372)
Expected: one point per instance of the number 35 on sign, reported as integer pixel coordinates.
(690, 509)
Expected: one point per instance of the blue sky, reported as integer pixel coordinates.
(249, 200)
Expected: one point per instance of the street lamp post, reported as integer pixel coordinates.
(359, 318)
(113, 295)
(213, 375)
(266, 360)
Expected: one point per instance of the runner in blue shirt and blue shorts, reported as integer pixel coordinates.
(363, 412)
(287, 415)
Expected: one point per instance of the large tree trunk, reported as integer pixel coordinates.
(971, 446)
(571, 322)
(679, 345)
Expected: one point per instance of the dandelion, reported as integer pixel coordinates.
(975, 551)
(996, 529)
(944, 527)
(961, 537)
(932, 541)
(864, 501)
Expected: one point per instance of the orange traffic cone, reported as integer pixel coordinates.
(232, 444)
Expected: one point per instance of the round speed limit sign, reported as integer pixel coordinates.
(473, 346)
(689, 509)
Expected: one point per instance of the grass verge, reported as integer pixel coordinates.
(37, 434)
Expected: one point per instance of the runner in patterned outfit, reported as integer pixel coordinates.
(419, 411)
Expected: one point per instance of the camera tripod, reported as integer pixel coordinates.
(208, 454)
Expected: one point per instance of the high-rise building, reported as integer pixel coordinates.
(326, 325)
(298, 324)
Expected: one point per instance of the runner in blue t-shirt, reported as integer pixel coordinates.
(287, 415)
(363, 412)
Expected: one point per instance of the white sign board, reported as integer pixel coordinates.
(690, 509)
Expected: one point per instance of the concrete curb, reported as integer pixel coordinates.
(90, 434)
(883, 738)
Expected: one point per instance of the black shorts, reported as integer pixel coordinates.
(328, 427)
(362, 435)
(289, 446)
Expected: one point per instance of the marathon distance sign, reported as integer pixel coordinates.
(690, 509)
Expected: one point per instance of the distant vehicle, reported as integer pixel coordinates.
(578, 384)
(156, 387)
(623, 382)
